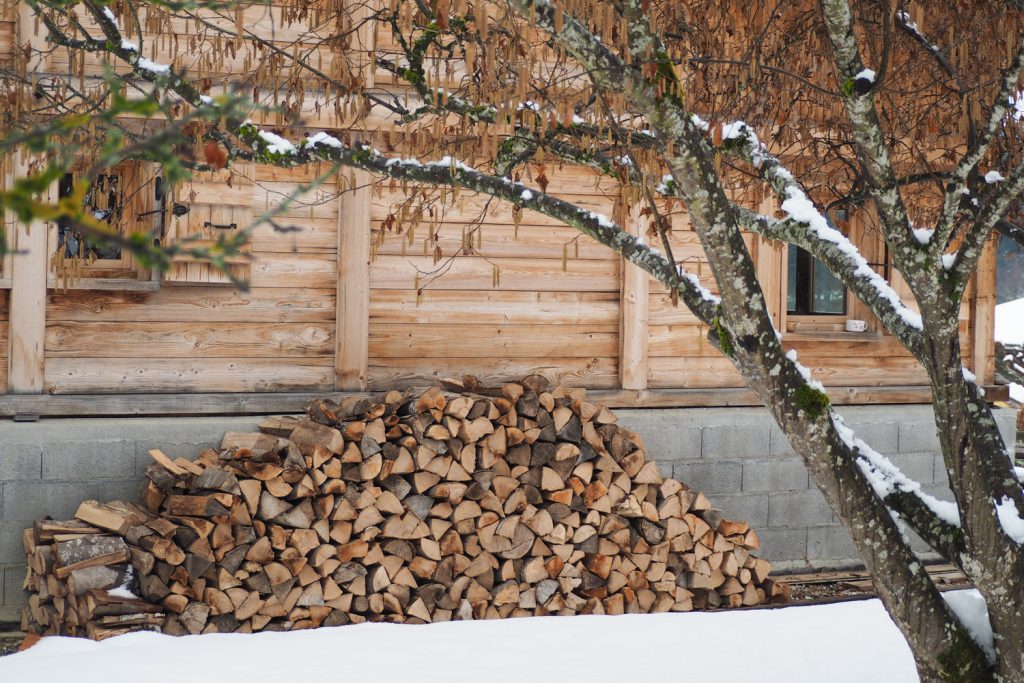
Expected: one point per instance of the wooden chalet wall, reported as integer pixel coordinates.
(564, 317)
(278, 336)
(333, 306)
(516, 308)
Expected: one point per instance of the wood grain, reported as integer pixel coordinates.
(176, 375)
(468, 307)
(483, 341)
(353, 293)
(189, 340)
(475, 273)
(194, 304)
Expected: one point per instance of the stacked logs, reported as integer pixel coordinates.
(79, 577)
(490, 503)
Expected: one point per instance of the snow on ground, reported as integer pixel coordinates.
(1010, 330)
(842, 642)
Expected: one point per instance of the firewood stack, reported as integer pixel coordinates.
(79, 576)
(490, 503)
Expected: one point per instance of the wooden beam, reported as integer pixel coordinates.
(983, 315)
(352, 318)
(633, 310)
(137, 405)
(27, 319)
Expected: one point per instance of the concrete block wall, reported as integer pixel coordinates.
(744, 463)
(735, 455)
(49, 467)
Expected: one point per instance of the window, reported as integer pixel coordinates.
(126, 197)
(812, 289)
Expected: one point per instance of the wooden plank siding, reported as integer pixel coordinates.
(554, 307)
(278, 336)
(534, 296)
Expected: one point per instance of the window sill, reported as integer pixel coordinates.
(811, 335)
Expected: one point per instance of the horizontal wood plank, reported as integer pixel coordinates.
(476, 273)
(256, 403)
(194, 304)
(468, 307)
(175, 375)
(188, 340)
(430, 342)
(470, 207)
(494, 241)
(316, 271)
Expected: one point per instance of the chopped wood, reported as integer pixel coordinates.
(492, 503)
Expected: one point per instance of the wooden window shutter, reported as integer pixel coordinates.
(219, 202)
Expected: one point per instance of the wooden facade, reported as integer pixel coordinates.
(334, 307)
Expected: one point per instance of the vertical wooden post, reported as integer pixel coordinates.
(27, 313)
(983, 315)
(633, 312)
(352, 320)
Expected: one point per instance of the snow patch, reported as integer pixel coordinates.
(923, 235)
(848, 642)
(970, 608)
(948, 260)
(1010, 322)
(526, 195)
(813, 383)
(129, 45)
(704, 292)
(323, 138)
(993, 177)
(865, 74)
(885, 478)
(110, 15)
(122, 592)
(149, 65)
(275, 143)
(1009, 518)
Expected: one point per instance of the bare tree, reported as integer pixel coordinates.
(678, 101)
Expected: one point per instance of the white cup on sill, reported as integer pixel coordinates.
(856, 325)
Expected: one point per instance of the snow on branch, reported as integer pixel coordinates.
(271, 148)
(816, 235)
(936, 521)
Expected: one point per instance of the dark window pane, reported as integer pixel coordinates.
(791, 280)
(829, 293)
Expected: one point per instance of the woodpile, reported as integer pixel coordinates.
(488, 503)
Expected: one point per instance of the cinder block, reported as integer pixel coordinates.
(1007, 421)
(918, 436)
(12, 549)
(751, 508)
(89, 460)
(783, 545)
(779, 444)
(798, 508)
(940, 491)
(13, 596)
(830, 543)
(736, 441)
(710, 477)
(20, 461)
(121, 489)
(664, 437)
(882, 436)
(775, 475)
(918, 466)
(26, 501)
